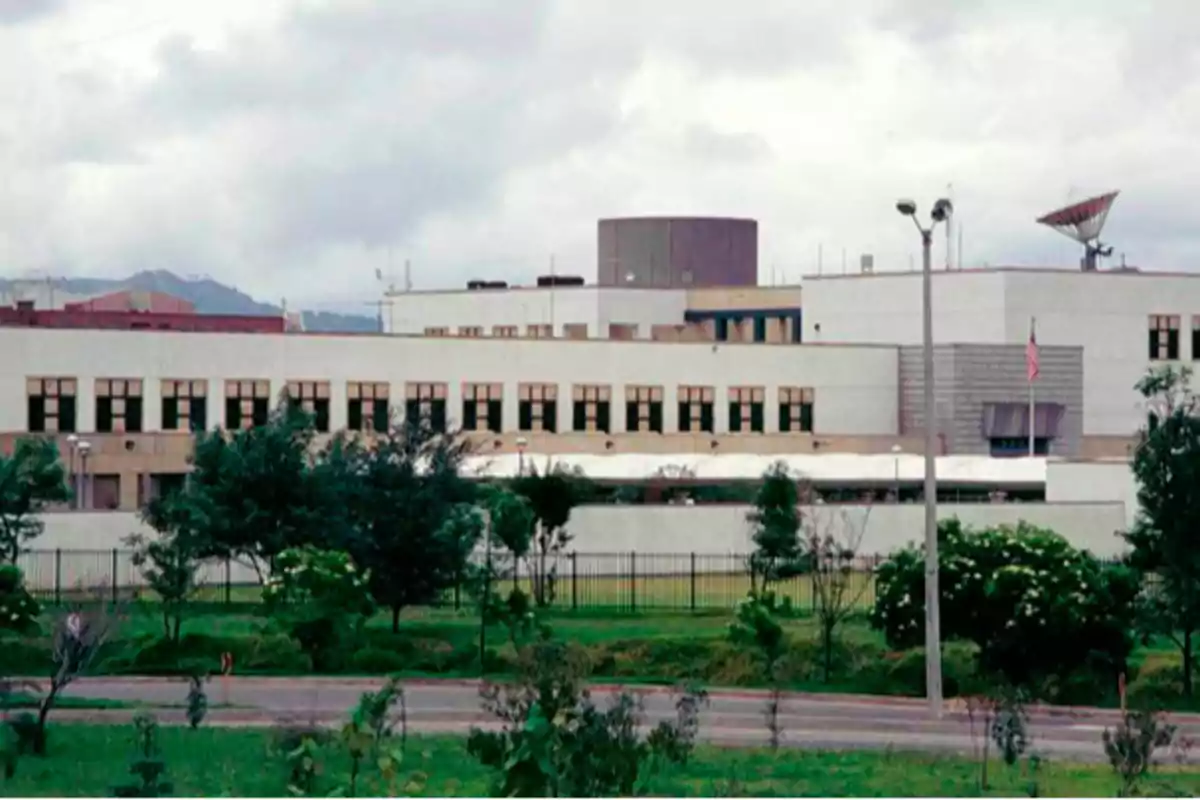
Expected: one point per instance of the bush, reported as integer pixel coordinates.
(322, 599)
(376, 660)
(903, 673)
(18, 609)
(1036, 607)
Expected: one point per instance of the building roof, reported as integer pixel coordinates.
(841, 468)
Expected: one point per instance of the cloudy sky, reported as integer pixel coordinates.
(290, 146)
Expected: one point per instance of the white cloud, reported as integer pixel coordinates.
(288, 146)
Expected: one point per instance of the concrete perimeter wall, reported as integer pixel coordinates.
(88, 538)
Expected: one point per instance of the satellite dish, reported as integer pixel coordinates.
(1083, 222)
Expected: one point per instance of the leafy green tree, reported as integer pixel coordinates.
(403, 511)
(31, 478)
(755, 627)
(252, 494)
(171, 560)
(1041, 612)
(552, 494)
(776, 520)
(510, 522)
(1165, 538)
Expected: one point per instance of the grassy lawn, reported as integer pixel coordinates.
(90, 760)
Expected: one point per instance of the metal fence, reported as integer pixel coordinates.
(627, 582)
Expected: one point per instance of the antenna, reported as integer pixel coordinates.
(1083, 222)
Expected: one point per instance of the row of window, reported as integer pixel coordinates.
(120, 407)
(1164, 337)
(570, 331)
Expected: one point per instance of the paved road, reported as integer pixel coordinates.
(732, 717)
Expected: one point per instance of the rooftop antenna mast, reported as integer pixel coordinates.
(1083, 222)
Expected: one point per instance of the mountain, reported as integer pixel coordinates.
(208, 296)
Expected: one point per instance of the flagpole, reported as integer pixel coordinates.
(1032, 403)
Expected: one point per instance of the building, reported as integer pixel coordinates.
(677, 252)
(132, 300)
(81, 316)
(1125, 322)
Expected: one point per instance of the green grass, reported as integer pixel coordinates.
(20, 701)
(89, 760)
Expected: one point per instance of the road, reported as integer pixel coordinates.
(731, 717)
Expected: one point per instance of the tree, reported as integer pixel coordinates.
(776, 522)
(18, 609)
(30, 479)
(755, 627)
(1165, 538)
(831, 544)
(404, 511)
(510, 524)
(1041, 612)
(170, 561)
(552, 495)
(252, 494)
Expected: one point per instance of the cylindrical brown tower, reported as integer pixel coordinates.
(677, 252)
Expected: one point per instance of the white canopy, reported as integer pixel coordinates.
(825, 468)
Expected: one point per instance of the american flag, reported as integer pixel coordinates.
(1032, 367)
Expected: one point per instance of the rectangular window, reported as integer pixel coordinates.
(539, 331)
(184, 405)
(504, 331)
(795, 410)
(721, 325)
(367, 407)
(760, 328)
(1196, 338)
(51, 405)
(118, 405)
(538, 407)
(644, 408)
(746, 409)
(575, 330)
(437, 331)
(247, 403)
(1164, 337)
(470, 331)
(695, 409)
(482, 407)
(313, 397)
(591, 411)
(426, 401)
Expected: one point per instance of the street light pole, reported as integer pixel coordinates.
(942, 210)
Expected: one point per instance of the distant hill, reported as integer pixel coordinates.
(208, 296)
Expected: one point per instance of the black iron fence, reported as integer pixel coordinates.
(627, 582)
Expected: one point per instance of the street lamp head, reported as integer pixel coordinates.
(72, 439)
(942, 210)
(85, 446)
(897, 448)
(522, 442)
(907, 207)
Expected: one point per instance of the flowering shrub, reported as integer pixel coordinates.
(321, 597)
(18, 609)
(1038, 608)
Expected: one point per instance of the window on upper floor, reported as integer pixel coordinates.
(539, 331)
(426, 401)
(591, 409)
(795, 409)
(505, 331)
(51, 405)
(537, 409)
(483, 407)
(247, 403)
(695, 409)
(184, 405)
(470, 331)
(118, 405)
(437, 330)
(575, 330)
(746, 409)
(644, 409)
(367, 407)
(760, 328)
(1196, 338)
(313, 397)
(1164, 337)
